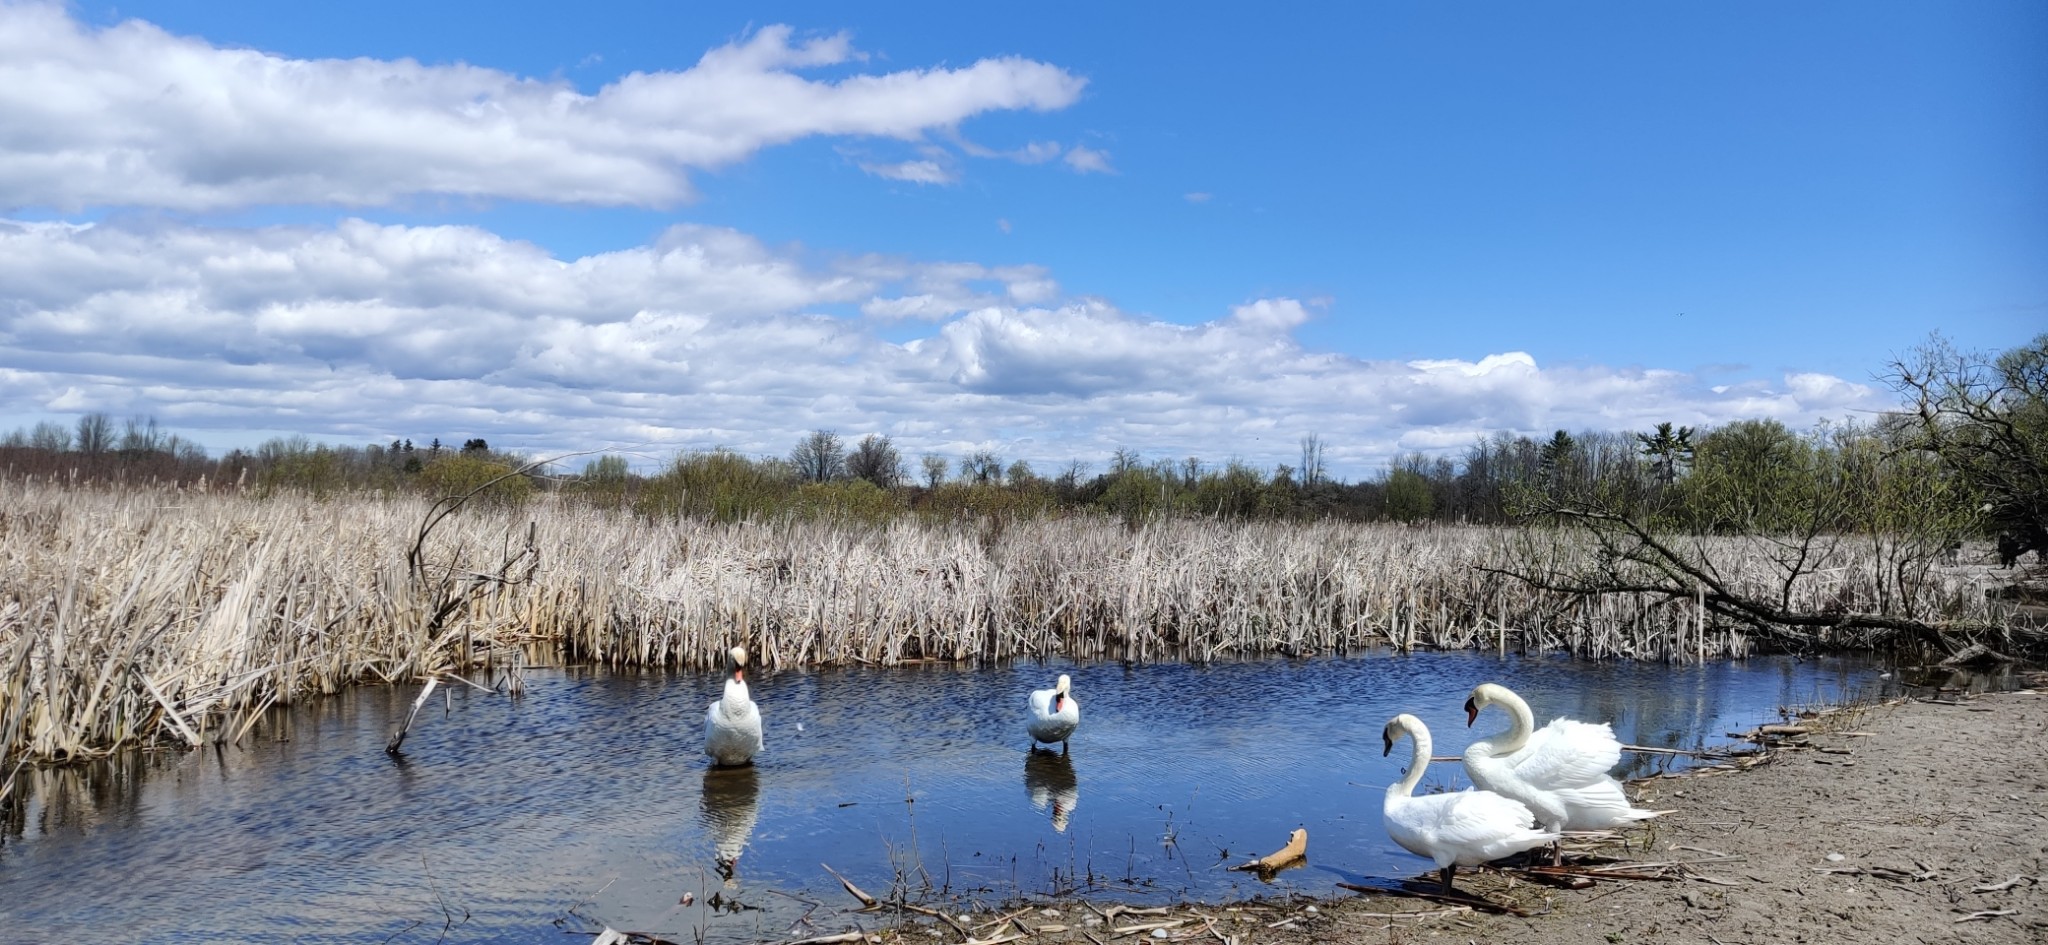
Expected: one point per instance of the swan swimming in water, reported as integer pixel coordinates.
(1463, 828)
(732, 726)
(1054, 713)
(1559, 771)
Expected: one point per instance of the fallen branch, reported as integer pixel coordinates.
(1452, 898)
(1296, 849)
(865, 899)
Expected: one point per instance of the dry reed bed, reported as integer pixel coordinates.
(140, 615)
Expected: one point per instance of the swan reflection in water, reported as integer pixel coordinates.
(731, 805)
(1049, 778)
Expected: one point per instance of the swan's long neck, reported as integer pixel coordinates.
(1418, 759)
(736, 695)
(1521, 724)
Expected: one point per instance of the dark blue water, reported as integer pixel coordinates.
(587, 802)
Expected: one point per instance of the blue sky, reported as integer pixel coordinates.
(1049, 230)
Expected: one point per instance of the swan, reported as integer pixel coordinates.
(1054, 713)
(732, 726)
(1559, 771)
(1465, 828)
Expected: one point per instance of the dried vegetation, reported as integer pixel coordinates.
(137, 615)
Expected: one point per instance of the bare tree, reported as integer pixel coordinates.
(818, 457)
(1836, 536)
(935, 467)
(1986, 418)
(50, 436)
(141, 435)
(876, 461)
(982, 466)
(95, 433)
(1312, 471)
(1124, 460)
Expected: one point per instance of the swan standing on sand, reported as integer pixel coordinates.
(1559, 771)
(732, 727)
(1464, 828)
(1054, 713)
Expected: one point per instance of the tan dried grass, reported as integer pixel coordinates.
(136, 615)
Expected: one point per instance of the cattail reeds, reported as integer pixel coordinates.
(132, 615)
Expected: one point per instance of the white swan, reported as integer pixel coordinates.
(1054, 713)
(1559, 771)
(732, 726)
(1464, 828)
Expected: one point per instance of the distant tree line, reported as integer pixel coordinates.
(1969, 445)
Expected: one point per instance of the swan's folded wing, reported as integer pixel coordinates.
(1041, 701)
(1599, 805)
(1482, 825)
(1566, 754)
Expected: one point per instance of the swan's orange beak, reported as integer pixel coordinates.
(1057, 699)
(740, 674)
(1471, 713)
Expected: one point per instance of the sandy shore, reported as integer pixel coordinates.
(1910, 827)
(1907, 822)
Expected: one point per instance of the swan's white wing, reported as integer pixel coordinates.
(1598, 806)
(1567, 753)
(1049, 726)
(1471, 827)
(732, 730)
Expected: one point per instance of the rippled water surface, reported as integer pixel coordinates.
(587, 802)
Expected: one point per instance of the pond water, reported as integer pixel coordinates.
(587, 802)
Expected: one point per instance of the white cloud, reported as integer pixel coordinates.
(1087, 160)
(1197, 197)
(916, 172)
(130, 115)
(708, 337)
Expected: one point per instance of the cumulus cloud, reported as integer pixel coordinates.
(1087, 160)
(706, 337)
(131, 115)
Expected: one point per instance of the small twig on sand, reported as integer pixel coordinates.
(939, 915)
(2017, 878)
(1432, 914)
(1987, 915)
